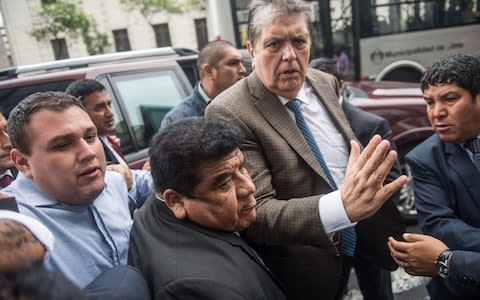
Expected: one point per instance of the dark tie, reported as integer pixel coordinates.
(349, 234)
(474, 146)
(5, 181)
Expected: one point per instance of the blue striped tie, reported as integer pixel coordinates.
(349, 235)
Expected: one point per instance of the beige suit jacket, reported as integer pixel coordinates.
(288, 231)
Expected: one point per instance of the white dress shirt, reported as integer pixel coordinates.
(335, 152)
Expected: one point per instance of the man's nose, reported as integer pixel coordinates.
(438, 110)
(245, 186)
(288, 51)
(5, 140)
(86, 150)
(242, 69)
(109, 111)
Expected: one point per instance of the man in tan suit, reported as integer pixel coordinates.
(300, 212)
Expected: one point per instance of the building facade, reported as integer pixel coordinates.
(125, 30)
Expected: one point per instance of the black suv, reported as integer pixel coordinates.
(143, 85)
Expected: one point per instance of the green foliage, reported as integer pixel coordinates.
(63, 17)
(197, 3)
(95, 41)
(148, 8)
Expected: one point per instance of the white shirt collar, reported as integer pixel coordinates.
(203, 94)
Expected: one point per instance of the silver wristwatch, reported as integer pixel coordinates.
(442, 263)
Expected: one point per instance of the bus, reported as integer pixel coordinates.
(385, 39)
(399, 39)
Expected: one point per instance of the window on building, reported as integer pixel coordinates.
(60, 48)
(122, 42)
(201, 31)
(162, 35)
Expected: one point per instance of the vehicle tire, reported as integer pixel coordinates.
(406, 202)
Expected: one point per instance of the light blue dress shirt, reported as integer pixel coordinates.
(89, 239)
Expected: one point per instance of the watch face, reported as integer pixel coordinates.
(442, 268)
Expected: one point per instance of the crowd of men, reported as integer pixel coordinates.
(269, 186)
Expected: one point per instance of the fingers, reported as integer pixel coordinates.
(398, 252)
(381, 161)
(391, 188)
(380, 164)
(354, 154)
(357, 160)
(413, 237)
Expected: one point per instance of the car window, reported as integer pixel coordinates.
(145, 98)
(11, 96)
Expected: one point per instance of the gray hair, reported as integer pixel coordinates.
(264, 12)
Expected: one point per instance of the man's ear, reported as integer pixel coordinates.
(250, 48)
(175, 201)
(207, 70)
(21, 163)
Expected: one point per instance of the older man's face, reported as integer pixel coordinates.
(224, 198)
(281, 55)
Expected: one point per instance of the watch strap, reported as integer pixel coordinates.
(442, 263)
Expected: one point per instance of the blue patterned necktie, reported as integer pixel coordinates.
(349, 234)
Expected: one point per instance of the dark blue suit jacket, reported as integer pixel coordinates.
(387, 221)
(447, 196)
(192, 106)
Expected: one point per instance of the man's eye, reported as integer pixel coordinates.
(273, 44)
(225, 185)
(91, 138)
(61, 146)
(299, 42)
(451, 100)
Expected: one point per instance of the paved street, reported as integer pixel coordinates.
(405, 287)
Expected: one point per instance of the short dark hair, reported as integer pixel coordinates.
(460, 69)
(22, 113)
(178, 150)
(212, 53)
(262, 12)
(326, 65)
(84, 87)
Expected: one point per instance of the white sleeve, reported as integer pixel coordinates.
(39, 230)
(332, 212)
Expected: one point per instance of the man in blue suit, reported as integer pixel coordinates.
(220, 66)
(446, 171)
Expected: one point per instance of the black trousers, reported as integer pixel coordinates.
(374, 282)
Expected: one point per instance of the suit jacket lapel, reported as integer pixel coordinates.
(276, 114)
(326, 94)
(459, 161)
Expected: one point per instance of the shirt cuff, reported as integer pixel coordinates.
(332, 212)
(39, 230)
